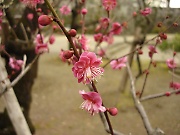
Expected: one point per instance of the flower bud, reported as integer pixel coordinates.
(68, 54)
(112, 111)
(84, 11)
(72, 32)
(167, 94)
(45, 20)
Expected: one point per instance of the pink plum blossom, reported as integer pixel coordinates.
(108, 38)
(101, 52)
(118, 63)
(15, 64)
(109, 4)
(51, 39)
(41, 48)
(32, 3)
(92, 102)
(104, 22)
(84, 11)
(170, 63)
(65, 10)
(146, 11)
(30, 16)
(98, 37)
(87, 68)
(83, 41)
(152, 50)
(116, 28)
(61, 56)
(175, 85)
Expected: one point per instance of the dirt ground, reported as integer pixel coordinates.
(55, 107)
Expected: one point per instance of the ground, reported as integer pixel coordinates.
(55, 107)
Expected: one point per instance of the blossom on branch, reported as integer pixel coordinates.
(118, 63)
(92, 103)
(15, 64)
(65, 10)
(32, 3)
(109, 4)
(146, 11)
(170, 63)
(116, 28)
(87, 68)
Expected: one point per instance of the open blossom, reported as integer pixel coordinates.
(116, 28)
(119, 63)
(92, 102)
(65, 10)
(170, 63)
(32, 3)
(109, 4)
(152, 50)
(146, 11)
(87, 68)
(15, 64)
(104, 22)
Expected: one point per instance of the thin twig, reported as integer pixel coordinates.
(16, 80)
(158, 95)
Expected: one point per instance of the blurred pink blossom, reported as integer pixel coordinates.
(83, 41)
(92, 102)
(170, 63)
(109, 4)
(51, 39)
(116, 28)
(152, 50)
(146, 11)
(15, 64)
(118, 63)
(108, 38)
(65, 10)
(87, 68)
(30, 16)
(101, 52)
(41, 48)
(104, 22)
(32, 3)
(98, 37)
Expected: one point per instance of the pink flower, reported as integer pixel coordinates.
(104, 22)
(87, 68)
(98, 37)
(101, 52)
(146, 11)
(32, 3)
(116, 28)
(65, 10)
(51, 39)
(108, 38)
(83, 41)
(92, 103)
(41, 48)
(84, 11)
(15, 64)
(109, 4)
(170, 63)
(61, 56)
(119, 63)
(175, 85)
(152, 50)
(39, 39)
(30, 16)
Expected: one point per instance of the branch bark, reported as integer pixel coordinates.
(12, 105)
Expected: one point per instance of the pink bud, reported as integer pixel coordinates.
(112, 111)
(167, 94)
(84, 11)
(45, 20)
(68, 54)
(72, 32)
(51, 39)
(30, 16)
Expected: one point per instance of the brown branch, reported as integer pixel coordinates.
(159, 95)
(140, 108)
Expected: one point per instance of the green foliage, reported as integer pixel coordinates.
(174, 43)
